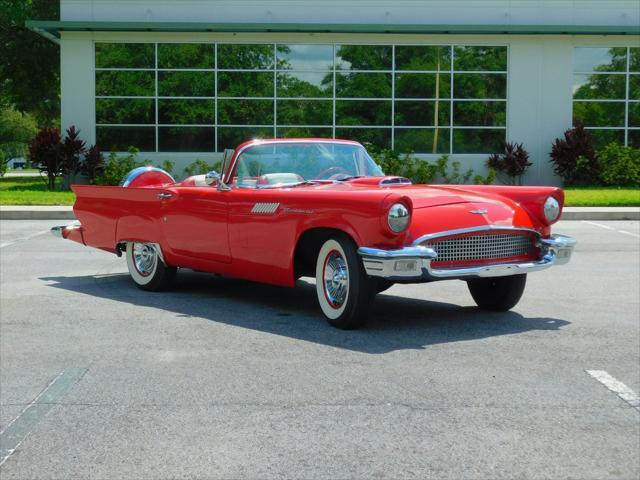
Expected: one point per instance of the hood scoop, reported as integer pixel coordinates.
(394, 181)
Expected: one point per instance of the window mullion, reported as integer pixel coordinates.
(393, 96)
(333, 103)
(451, 54)
(627, 98)
(156, 97)
(275, 89)
(215, 99)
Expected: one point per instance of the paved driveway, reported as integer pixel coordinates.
(229, 379)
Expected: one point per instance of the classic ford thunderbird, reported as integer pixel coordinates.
(282, 209)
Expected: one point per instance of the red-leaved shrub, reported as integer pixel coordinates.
(45, 153)
(574, 157)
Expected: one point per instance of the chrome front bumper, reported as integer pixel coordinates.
(413, 264)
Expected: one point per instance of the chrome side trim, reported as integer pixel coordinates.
(413, 264)
(482, 228)
(136, 172)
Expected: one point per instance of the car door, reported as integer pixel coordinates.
(194, 223)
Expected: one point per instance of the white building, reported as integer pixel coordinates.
(183, 79)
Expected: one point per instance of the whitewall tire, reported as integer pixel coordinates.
(146, 267)
(344, 291)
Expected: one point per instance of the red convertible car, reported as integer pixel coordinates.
(281, 209)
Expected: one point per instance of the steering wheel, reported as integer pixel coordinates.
(331, 170)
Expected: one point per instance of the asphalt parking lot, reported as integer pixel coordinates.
(227, 379)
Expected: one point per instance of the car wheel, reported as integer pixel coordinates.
(146, 268)
(345, 293)
(498, 294)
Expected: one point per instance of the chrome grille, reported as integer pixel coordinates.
(479, 247)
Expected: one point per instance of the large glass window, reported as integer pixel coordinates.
(606, 93)
(200, 97)
(125, 96)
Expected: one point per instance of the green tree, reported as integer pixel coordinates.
(29, 64)
(16, 131)
(3, 164)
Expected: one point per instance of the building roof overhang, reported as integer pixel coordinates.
(53, 29)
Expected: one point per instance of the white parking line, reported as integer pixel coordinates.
(22, 239)
(18, 429)
(617, 387)
(629, 233)
(596, 224)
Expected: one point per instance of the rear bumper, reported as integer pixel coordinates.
(413, 264)
(72, 232)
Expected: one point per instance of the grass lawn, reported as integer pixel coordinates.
(31, 191)
(22, 170)
(602, 197)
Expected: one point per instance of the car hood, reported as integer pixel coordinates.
(421, 196)
(457, 207)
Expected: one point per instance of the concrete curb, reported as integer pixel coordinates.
(34, 212)
(601, 213)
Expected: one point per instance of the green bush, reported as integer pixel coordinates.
(619, 165)
(406, 165)
(167, 166)
(200, 167)
(117, 167)
(16, 131)
(453, 174)
(421, 171)
(488, 180)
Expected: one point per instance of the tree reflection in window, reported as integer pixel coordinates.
(194, 92)
(606, 93)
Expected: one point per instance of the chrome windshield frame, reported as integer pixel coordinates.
(227, 175)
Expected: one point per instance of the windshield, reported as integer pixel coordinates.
(270, 164)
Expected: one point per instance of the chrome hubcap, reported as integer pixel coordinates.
(144, 258)
(336, 279)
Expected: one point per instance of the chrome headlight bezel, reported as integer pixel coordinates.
(551, 209)
(398, 218)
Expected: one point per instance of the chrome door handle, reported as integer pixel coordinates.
(164, 196)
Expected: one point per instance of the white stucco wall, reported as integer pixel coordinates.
(500, 12)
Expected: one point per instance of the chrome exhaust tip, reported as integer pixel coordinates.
(57, 231)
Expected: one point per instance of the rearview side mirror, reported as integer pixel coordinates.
(212, 178)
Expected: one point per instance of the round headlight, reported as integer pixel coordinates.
(551, 209)
(398, 218)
